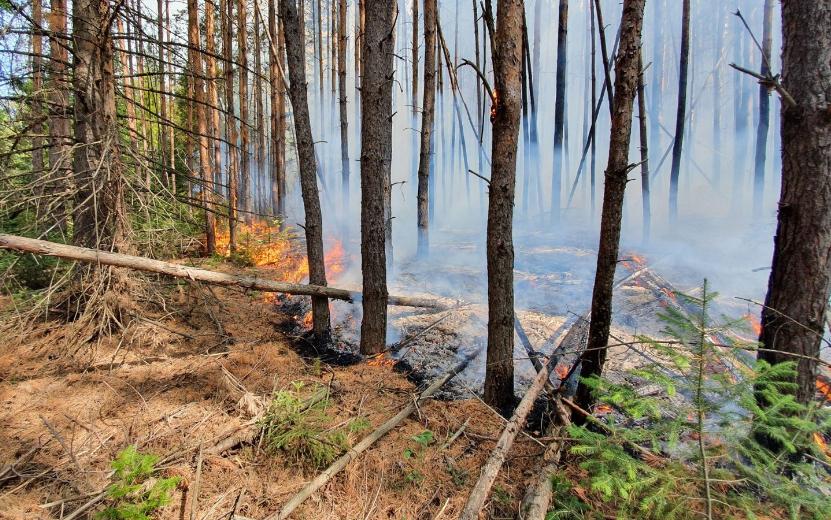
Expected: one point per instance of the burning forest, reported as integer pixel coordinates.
(415, 259)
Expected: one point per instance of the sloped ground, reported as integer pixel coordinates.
(162, 387)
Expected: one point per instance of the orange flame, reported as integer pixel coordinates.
(754, 323)
(380, 360)
(824, 388)
(602, 409)
(561, 371)
(494, 105)
(823, 446)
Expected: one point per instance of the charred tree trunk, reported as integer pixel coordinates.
(244, 150)
(593, 159)
(99, 219)
(559, 109)
(281, 122)
(376, 151)
(258, 97)
(681, 114)
(627, 75)
(227, 21)
(201, 115)
(294, 39)
(794, 314)
(764, 113)
(427, 116)
(275, 86)
(344, 122)
(507, 52)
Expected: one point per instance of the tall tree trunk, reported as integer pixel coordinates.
(627, 75)
(275, 86)
(344, 123)
(593, 159)
(37, 89)
(644, 142)
(657, 87)
(376, 153)
(245, 148)
(718, 50)
(764, 113)
(99, 220)
(794, 314)
(60, 133)
(212, 92)
(162, 68)
(201, 115)
(295, 51)
(227, 20)
(507, 52)
(427, 116)
(681, 114)
(282, 122)
(415, 58)
(559, 109)
(258, 95)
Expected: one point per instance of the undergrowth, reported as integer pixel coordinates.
(704, 428)
(136, 494)
(296, 424)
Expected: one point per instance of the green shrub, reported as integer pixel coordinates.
(136, 494)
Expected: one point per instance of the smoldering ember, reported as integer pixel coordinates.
(417, 259)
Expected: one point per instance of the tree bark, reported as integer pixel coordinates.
(275, 85)
(559, 109)
(37, 89)
(245, 155)
(507, 47)
(798, 290)
(427, 116)
(212, 93)
(644, 148)
(627, 74)
(376, 150)
(227, 21)
(60, 133)
(415, 58)
(99, 218)
(294, 39)
(764, 113)
(258, 99)
(201, 115)
(681, 113)
(344, 121)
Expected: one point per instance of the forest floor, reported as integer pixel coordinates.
(163, 386)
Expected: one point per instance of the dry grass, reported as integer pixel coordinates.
(160, 384)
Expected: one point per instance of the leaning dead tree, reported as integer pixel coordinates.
(105, 258)
(296, 54)
(627, 78)
(681, 115)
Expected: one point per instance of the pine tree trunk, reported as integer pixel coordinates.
(201, 115)
(344, 123)
(245, 147)
(427, 116)
(99, 219)
(718, 49)
(414, 49)
(227, 21)
(681, 113)
(376, 152)
(275, 86)
(627, 74)
(644, 148)
(162, 68)
(258, 96)
(281, 122)
(295, 51)
(794, 314)
(212, 92)
(37, 90)
(507, 52)
(60, 133)
(764, 113)
(559, 109)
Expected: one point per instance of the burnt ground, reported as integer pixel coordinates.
(161, 386)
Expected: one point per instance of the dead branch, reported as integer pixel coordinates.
(95, 256)
(491, 468)
(368, 441)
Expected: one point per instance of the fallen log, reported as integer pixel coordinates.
(490, 470)
(149, 265)
(367, 441)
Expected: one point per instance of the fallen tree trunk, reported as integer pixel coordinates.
(490, 470)
(83, 254)
(367, 441)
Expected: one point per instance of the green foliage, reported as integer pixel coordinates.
(298, 427)
(715, 421)
(136, 494)
(23, 273)
(422, 440)
(565, 506)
